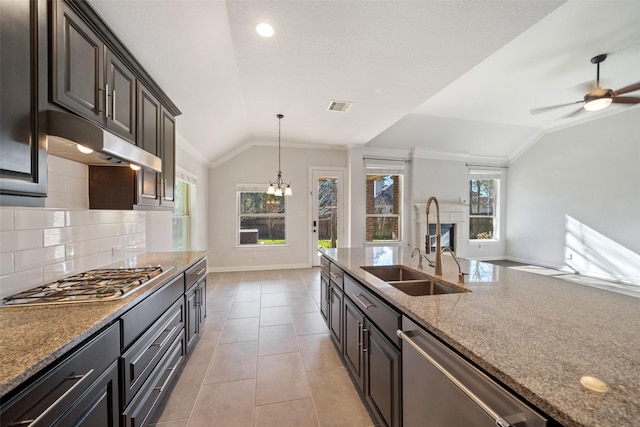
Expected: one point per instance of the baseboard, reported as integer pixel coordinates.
(234, 268)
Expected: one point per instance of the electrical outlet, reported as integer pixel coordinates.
(569, 256)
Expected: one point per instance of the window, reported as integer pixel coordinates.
(383, 205)
(181, 216)
(484, 190)
(262, 218)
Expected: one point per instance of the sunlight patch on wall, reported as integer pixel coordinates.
(591, 253)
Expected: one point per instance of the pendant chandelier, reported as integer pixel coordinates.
(279, 187)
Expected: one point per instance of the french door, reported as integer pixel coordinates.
(327, 210)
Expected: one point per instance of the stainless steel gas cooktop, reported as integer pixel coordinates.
(94, 285)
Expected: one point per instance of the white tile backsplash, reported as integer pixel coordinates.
(38, 245)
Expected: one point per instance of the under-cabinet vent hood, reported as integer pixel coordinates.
(66, 131)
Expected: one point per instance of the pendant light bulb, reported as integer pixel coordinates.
(279, 187)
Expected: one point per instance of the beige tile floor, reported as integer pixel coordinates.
(264, 358)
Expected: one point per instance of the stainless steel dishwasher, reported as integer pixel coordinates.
(440, 388)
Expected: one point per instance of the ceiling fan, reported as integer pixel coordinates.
(598, 98)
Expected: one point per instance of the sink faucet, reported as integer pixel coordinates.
(420, 256)
(460, 273)
(438, 262)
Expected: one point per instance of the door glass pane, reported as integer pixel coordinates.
(328, 212)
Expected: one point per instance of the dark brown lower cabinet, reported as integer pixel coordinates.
(353, 351)
(383, 375)
(195, 300)
(80, 389)
(324, 297)
(335, 314)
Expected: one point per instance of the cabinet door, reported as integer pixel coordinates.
(352, 340)
(335, 313)
(191, 330)
(324, 298)
(78, 69)
(382, 381)
(202, 303)
(168, 153)
(98, 407)
(121, 108)
(148, 135)
(23, 64)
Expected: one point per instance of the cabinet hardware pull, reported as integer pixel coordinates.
(80, 379)
(106, 100)
(201, 271)
(113, 105)
(360, 301)
(333, 275)
(328, 297)
(364, 331)
(500, 421)
(161, 343)
(170, 370)
(360, 334)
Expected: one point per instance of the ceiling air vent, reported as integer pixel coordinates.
(341, 106)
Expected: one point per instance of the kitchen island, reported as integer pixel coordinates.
(32, 337)
(537, 335)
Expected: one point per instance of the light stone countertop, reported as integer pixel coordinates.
(538, 335)
(33, 337)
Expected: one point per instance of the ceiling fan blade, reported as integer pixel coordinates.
(627, 89)
(626, 100)
(553, 107)
(575, 113)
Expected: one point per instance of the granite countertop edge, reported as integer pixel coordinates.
(105, 314)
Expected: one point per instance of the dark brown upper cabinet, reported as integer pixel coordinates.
(23, 95)
(121, 111)
(88, 78)
(157, 135)
(149, 109)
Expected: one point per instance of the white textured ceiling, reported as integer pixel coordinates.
(440, 76)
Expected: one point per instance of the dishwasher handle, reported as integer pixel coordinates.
(500, 421)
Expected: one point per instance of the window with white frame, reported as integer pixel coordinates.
(484, 205)
(383, 216)
(182, 216)
(261, 218)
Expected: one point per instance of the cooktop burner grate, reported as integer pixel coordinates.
(93, 285)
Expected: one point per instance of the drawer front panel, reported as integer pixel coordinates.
(143, 356)
(324, 265)
(138, 412)
(336, 275)
(195, 273)
(50, 396)
(138, 319)
(385, 318)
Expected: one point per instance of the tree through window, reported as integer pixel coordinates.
(383, 200)
(483, 206)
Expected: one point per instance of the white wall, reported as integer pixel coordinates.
(258, 165)
(576, 194)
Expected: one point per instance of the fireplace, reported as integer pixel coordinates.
(452, 223)
(447, 236)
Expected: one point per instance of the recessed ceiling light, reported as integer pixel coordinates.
(264, 30)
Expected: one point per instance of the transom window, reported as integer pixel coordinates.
(262, 218)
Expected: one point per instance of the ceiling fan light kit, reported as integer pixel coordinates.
(599, 98)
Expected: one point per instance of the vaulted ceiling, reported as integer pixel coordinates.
(452, 77)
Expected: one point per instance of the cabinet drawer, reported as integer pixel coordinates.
(387, 319)
(144, 354)
(324, 265)
(139, 411)
(138, 319)
(336, 275)
(195, 273)
(50, 396)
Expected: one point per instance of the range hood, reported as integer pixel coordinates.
(66, 131)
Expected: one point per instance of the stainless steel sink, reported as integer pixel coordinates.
(395, 273)
(412, 282)
(425, 287)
